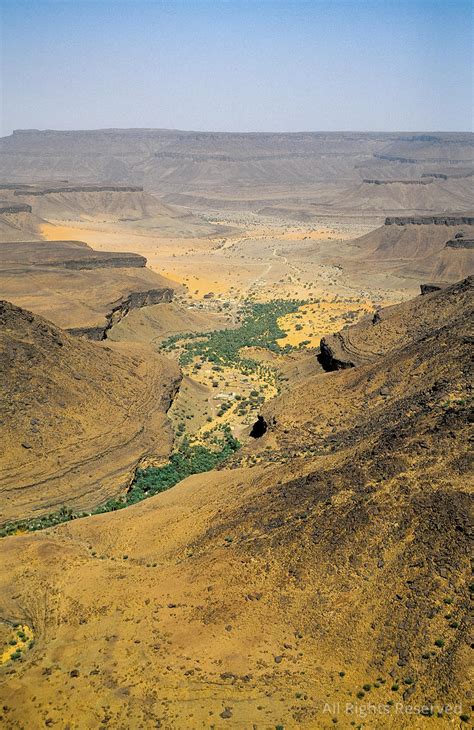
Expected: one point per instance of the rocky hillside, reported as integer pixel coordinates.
(328, 563)
(416, 247)
(17, 222)
(76, 417)
(395, 327)
(127, 206)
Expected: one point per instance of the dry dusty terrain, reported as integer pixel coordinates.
(327, 560)
(327, 563)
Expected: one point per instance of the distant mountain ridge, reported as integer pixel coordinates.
(323, 171)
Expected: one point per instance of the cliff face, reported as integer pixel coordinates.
(102, 260)
(427, 220)
(7, 207)
(76, 417)
(81, 189)
(135, 300)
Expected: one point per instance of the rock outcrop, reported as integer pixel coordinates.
(428, 220)
(7, 207)
(135, 300)
(429, 288)
(396, 326)
(467, 243)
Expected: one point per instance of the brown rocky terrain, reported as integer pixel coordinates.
(418, 247)
(76, 287)
(77, 418)
(395, 327)
(328, 563)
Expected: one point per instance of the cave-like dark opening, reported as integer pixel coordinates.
(259, 428)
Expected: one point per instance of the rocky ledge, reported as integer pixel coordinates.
(119, 310)
(430, 220)
(7, 207)
(82, 189)
(460, 243)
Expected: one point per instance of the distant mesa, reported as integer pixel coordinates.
(34, 191)
(393, 182)
(314, 173)
(64, 254)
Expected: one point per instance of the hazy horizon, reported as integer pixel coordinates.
(237, 66)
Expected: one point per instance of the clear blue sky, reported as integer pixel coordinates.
(237, 65)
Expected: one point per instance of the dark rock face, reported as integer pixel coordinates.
(7, 207)
(435, 175)
(428, 288)
(101, 260)
(330, 358)
(398, 182)
(83, 189)
(429, 220)
(135, 300)
(460, 243)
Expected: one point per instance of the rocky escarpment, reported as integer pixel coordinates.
(75, 255)
(7, 207)
(428, 220)
(102, 260)
(375, 336)
(135, 300)
(460, 243)
(81, 189)
(375, 181)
